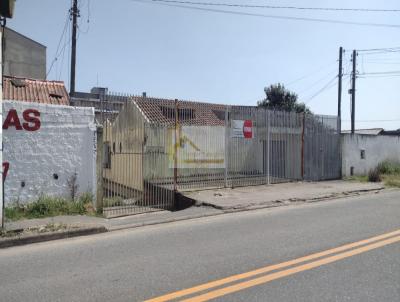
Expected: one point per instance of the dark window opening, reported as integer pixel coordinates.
(55, 95)
(18, 83)
(183, 113)
(120, 147)
(362, 154)
(220, 114)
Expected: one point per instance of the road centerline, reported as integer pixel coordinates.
(291, 271)
(266, 269)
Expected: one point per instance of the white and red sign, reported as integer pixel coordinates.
(242, 129)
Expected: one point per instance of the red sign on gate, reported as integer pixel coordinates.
(248, 129)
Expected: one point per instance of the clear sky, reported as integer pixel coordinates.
(182, 53)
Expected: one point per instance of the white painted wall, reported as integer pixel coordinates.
(377, 149)
(65, 143)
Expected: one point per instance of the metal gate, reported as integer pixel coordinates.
(156, 149)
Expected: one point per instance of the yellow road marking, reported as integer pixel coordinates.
(273, 276)
(266, 269)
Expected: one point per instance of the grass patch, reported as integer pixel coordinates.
(362, 178)
(392, 180)
(47, 206)
(386, 171)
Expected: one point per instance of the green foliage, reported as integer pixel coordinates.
(47, 206)
(280, 98)
(389, 167)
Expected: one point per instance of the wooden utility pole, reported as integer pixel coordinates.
(353, 91)
(74, 14)
(340, 76)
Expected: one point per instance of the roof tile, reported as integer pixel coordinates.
(36, 91)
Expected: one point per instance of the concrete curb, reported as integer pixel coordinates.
(15, 241)
(34, 238)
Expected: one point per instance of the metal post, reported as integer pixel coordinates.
(268, 124)
(302, 145)
(353, 92)
(226, 148)
(176, 147)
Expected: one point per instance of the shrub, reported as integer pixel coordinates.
(389, 167)
(374, 175)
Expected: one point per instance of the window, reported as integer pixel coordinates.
(362, 154)
(183, 113)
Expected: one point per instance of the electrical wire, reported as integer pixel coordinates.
(57, 54)
(327, 86)
(310, 74)
(241, 13)
(221, 4)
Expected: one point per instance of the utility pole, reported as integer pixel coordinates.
(74, 11)
(353, 91)
(340, 75)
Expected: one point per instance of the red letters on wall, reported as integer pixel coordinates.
(31, 121)
(6, 166)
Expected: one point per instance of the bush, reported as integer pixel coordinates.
(389, 167)
(374, 175)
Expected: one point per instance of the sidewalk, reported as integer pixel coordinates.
(259, 196)
(208, 203)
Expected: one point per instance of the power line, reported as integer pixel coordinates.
(241, 13)
(309, 74)
(328, 85)
(59, 43)
(221, 4)
(381, 72)
(318, 81)
(389, 49)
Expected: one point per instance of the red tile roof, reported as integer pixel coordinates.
(190, 113)
(37, 91)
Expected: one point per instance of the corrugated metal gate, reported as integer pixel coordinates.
(150, 156)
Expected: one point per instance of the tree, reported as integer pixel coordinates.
(280, 98)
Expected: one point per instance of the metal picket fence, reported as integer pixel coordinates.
(157, 149)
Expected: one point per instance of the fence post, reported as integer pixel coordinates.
(99, 172)
(226, 148)
(302, 145)
(176, 149)
(268, 129)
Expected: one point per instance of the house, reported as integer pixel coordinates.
(46, 142)
(23, 57)
(106, 104)
(155, 146)
(363, 150)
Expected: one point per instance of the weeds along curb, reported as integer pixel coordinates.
(35, 238)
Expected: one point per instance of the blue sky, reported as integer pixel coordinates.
(174, 52)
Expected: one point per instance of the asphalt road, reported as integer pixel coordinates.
(144, 263)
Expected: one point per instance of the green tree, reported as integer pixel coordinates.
(280, 98)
